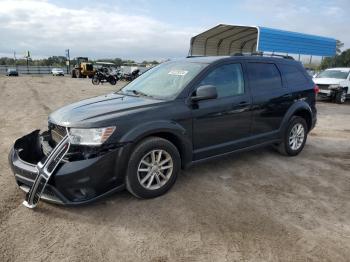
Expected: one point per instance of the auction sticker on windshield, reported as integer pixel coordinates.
(178, 72)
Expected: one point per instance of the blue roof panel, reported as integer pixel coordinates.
(274, 40)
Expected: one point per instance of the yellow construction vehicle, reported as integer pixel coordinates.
(83, 68)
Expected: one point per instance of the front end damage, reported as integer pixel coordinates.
(48, 167)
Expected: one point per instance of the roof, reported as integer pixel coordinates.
(230, 39)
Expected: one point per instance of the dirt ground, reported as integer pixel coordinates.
(255, 206)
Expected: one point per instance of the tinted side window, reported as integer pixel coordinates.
(264, 77)
(293, 75)
(228, 80)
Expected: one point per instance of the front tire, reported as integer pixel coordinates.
(95, 81)
(294, 137)
(153, 167)
(340, 96)
(112, 80)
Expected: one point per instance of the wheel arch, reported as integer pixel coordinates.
(302, 109)
(170, 131)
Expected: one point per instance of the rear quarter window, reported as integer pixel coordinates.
(264, 77)
(294, 76)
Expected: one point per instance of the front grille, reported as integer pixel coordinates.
(56, 160)
(48, 194)
(323, 87)
(57, 133)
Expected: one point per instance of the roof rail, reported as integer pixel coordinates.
(262, 54)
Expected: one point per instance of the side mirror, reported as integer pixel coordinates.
(204, 93)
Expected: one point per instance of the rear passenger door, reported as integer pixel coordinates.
(270, 98)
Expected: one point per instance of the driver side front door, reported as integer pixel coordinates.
(221, 125)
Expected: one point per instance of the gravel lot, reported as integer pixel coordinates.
(249, 207)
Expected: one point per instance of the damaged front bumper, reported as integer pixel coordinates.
(61, 176)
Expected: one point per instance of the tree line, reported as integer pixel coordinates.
(339, 60)
(60, 61)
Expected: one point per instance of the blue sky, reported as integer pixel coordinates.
(152, 29)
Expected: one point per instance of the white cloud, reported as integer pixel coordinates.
(102, 30)
(47, 29)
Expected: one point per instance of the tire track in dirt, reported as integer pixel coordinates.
(36, 96)
(10, 203)
(3, 86)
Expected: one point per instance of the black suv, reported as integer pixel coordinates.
(172, 116)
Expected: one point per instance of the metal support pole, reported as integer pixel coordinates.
(68, 60)
(310, 59)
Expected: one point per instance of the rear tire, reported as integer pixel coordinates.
(153, 167)
(294, 137)
(340, 96)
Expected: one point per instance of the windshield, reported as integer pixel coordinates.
(338, 74)
(164, 81)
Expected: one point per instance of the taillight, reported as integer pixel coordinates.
(316, 89)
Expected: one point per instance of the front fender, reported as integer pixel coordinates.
(183, 137)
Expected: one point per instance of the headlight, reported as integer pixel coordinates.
(334, 86)
(90, 136)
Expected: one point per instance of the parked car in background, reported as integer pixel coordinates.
(12, 72)
(334, 83)
(176, 114)
(57, 72)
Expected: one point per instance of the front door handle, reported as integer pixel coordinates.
(243, 103)
(287, 96)
(240, 107)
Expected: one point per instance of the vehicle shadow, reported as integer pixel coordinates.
(207, 178)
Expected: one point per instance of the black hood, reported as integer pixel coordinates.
(99, 111)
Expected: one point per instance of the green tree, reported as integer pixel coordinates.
(339, 46)
(341, 60)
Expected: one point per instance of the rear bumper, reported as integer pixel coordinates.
(73, 183)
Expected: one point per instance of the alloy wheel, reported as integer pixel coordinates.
(155, 169)
(296, 136)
